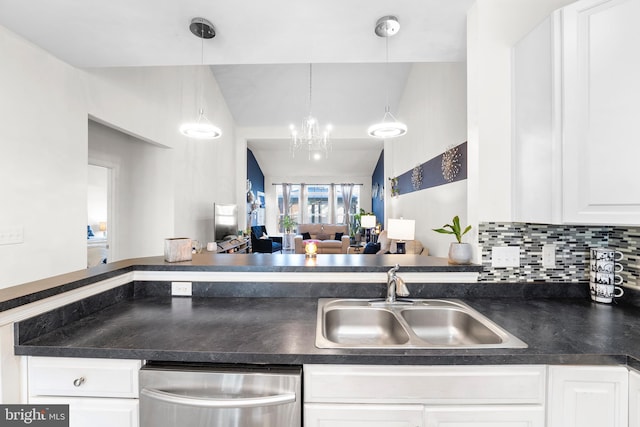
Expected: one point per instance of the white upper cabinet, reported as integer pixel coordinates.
(575, 107)
(537, 150)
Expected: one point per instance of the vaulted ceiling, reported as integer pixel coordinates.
(261, 53)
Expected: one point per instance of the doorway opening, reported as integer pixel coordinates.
(98, 218)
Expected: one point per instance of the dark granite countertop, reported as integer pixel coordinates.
(282, 330)
(16, 296)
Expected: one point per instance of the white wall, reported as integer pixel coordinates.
(433, 106)
(43, 162)
(143, 210)
(203, 172)
(46, 164)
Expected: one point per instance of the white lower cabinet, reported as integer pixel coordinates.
(99, 392)
(588, 396)
(478, 416)
(405, 396)
(634, 398)
(95, 411)
(362, 415)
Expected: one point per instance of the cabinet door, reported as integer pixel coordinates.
(634, 399)
(588, 396)
(364, 415)
(504, 416)
(601, 147)
(537, 149)
(96, 412)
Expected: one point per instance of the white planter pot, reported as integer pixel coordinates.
(460, 253)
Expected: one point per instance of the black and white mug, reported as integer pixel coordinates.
(603, 280)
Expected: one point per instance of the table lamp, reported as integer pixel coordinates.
(102, 226)
(368, 222)
(401, 230)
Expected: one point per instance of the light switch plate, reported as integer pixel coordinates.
(549, 256)
(11, 235)
(505, 256)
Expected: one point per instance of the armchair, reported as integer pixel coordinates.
(266, 246)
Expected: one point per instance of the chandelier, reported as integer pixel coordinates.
(309, 138)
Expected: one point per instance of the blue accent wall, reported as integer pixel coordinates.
(432, 173)
(377, 201)
(254, 173)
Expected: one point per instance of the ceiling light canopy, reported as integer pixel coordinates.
(201, 128)
(389, 127)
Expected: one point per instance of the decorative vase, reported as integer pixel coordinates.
(460, 253)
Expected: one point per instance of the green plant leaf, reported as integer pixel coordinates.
(442, 230)
(455, 229)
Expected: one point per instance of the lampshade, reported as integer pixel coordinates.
(368, 221)
(401, 229)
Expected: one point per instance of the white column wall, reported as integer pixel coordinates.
(44, 113)
(43, 162)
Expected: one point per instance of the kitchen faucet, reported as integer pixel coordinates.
(395, 285)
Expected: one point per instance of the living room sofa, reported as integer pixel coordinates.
(324, 236)
(389, 246)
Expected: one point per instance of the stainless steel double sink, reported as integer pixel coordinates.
(407, 324)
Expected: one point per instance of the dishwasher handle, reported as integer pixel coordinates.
(206, 402)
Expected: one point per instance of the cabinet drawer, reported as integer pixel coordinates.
(441, 385)
(58, 376)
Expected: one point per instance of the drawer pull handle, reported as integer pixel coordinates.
(78, 381)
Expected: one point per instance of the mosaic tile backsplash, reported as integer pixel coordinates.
(572, 250)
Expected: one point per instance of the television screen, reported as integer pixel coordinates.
(225, 221)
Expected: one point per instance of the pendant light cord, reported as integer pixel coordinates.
(201, 106)
(386, 73)
(310, 88)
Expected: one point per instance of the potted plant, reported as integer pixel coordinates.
(459, 253)
(355, 229)
(288, 224)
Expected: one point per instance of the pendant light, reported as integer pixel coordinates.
(202, 128)
(389, 127)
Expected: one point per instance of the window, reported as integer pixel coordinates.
(355, 203)
(317, 206)
(310, 203)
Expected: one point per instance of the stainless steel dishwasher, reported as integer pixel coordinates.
(182, 394)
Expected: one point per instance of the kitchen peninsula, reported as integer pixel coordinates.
(261, 310)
